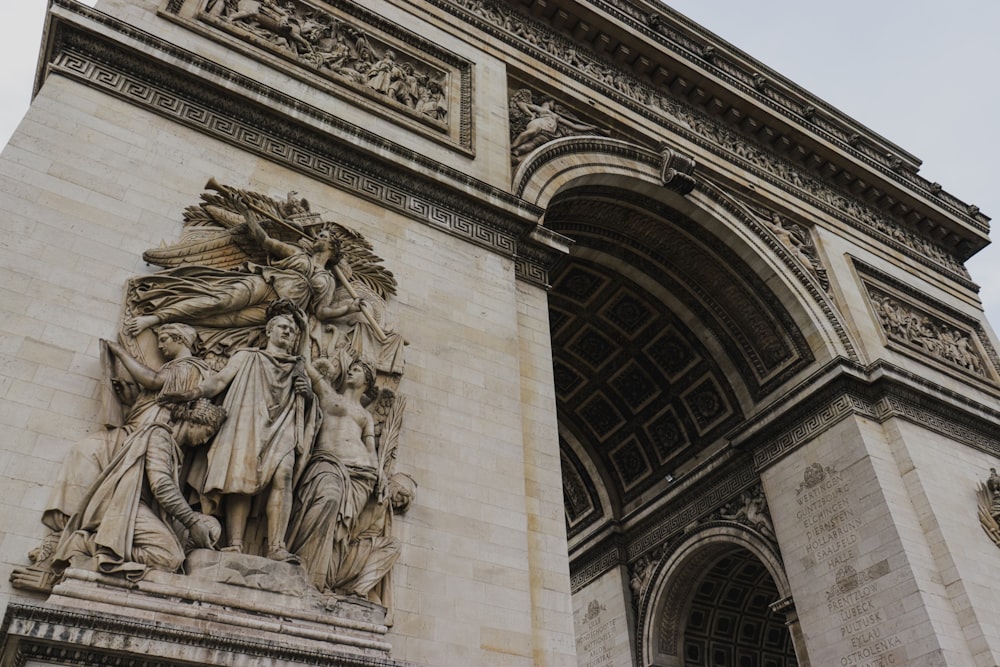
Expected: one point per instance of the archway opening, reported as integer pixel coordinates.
(671, 325)
(731, 622)
(665, 335)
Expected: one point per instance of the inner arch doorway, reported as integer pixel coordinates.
(731, 620)
(675, 320)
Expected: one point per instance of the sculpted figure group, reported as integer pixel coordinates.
(320, 40)
(906, 324)
(257, 377)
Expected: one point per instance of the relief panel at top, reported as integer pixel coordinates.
(350, 52)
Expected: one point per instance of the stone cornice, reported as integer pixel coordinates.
(704, 53)
(840, 390)
(36, 632)
(120, 60)
(633, 68)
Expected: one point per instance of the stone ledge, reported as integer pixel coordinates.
(108, 632)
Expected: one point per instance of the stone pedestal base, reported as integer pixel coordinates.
(229, 609)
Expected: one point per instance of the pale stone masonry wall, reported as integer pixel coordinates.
(90, 182)
(864, 580)
(552, 613)
(605, 623)
(941, 478)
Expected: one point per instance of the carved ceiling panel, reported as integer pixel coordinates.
(730, 621)
(636, 382)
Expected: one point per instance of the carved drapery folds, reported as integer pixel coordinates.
(751, 510)
(988, 498)
(798, 239)
(255, 409)
(535, 120)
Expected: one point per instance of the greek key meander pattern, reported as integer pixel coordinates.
(101, 65)
(542, 43)
(949, 424)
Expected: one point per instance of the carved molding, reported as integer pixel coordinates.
(750, 215)
(896, 395)
(538, 40)
(906, 396)
(763, 340)
(677, 171)
(714, 490)
(102, 64)
(32, 632)
(676, 569)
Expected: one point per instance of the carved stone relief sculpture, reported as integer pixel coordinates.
(535, 121)
(919, 330)
(798, 239)
(751, 510)
(988, 496)
(339, 49)
(656, 102)
(254, 409)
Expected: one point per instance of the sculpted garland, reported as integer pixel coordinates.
(256, 410)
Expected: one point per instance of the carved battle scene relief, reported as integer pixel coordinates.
(251, 417)
(336, 48)
(353, 50)
(931, 334)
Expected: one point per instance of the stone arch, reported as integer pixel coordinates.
(553, 166)
(585, 491)
(667, 600)
(570, 164)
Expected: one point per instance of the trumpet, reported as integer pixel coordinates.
(213, 184)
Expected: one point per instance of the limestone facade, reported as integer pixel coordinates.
(676, 330)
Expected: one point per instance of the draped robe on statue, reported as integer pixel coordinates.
(204, 296)
(268, 421)
(120, 521)
(329, 500)
(91, 456)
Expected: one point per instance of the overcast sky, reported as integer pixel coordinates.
(922, 74)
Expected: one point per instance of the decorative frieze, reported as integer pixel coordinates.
(82, 55)
(684, 119)
(727, 494)
(916, 324)
(348, 51)
(792, 103)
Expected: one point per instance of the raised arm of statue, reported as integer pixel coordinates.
(272, 246)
